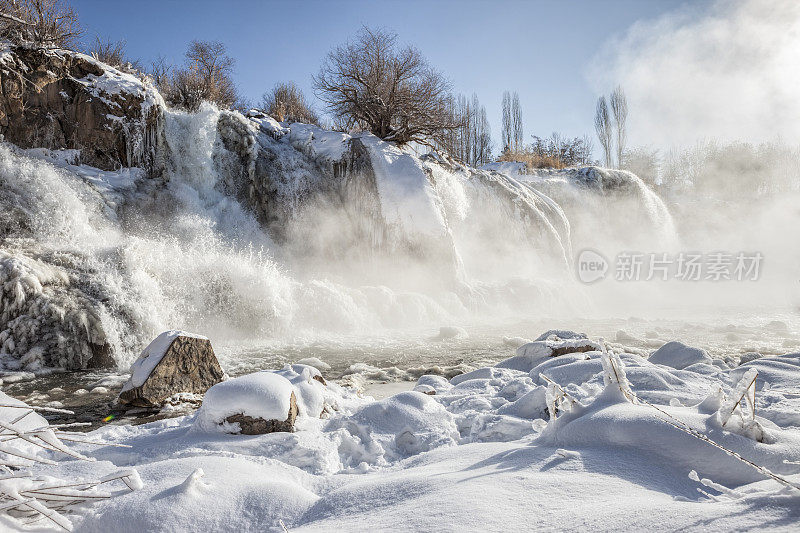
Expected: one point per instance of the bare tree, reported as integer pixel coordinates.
(603, 127)
(160, 72)
(482, 150)
(471, 142)
(286, 102)
(516, 121)
(508, 131)
(619, 107)
(206, 76)
(113, 53)
(42, 22)
(392, 92)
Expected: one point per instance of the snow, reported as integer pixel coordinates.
(261, 395)
(309, 392)
(408, 199)
(152, 355)
(473, 452)
(678, 355)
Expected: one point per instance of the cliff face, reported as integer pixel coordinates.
(58, 99)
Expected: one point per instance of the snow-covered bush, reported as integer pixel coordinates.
(26, 438)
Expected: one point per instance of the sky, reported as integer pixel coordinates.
(545, 50)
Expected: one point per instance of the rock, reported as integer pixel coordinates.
(677, 355)
(59, 99)
(531, 354)
(258, 426)
(262, 402)
(174, 362)
(561, 334)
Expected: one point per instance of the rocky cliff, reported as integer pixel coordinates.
(59, 99)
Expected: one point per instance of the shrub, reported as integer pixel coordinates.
(42, 22)
(286, 102)
(205, 77)
(113, 53)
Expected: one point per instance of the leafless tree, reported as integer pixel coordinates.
(286, 102)
(113, 53)
(160, 72)
(471, 142)
(392, 92)
(42, 22)
(619, 108)
(516, 121)
(206, 76)
(603, 127)
(508, 131)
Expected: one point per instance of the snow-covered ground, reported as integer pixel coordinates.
(587, 440)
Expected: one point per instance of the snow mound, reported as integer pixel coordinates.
(400, 426)
(223, 498)
(609, 421)
(779, 371)
(308, 388)
(263, 394)
(675, 354)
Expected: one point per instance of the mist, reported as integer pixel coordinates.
(725, 71)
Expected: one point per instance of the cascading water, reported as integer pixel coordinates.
(256, 231)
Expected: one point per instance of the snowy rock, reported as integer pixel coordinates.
(531, 354)
(174, 362)
(59, 99)
(675, 354)
(561, 334)
(258, 403)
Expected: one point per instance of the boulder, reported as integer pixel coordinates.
(531, 354)
(258, 426)
(60, 99)
(174, 362)
(262, 402)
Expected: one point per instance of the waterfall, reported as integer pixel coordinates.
(256, 230)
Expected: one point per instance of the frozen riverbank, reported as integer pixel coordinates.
(556, 437)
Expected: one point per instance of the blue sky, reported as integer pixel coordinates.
(541, 49)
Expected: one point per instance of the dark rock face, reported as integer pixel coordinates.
(259, 426)
(189, 365)
(59, 99)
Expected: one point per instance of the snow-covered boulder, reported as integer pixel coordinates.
(176, 361)
(561, 334)
(531, 354)
(258, 403)
(675, 354)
